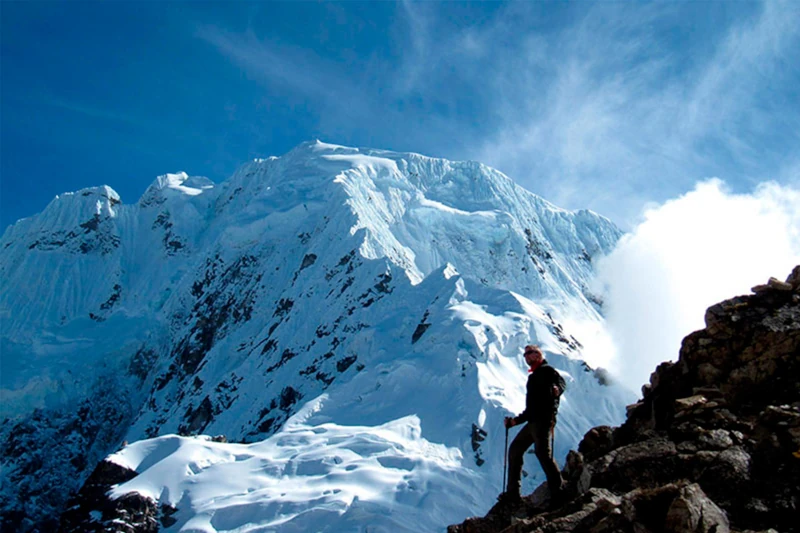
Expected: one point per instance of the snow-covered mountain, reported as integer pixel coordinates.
(353, 319)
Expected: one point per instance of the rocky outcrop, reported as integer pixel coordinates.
(92, 511)
(54, 447)
(712, 446)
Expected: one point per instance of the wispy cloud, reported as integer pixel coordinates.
(614, 117)
(346, 99)
(597, 106)
(93, 111)
(288, 68)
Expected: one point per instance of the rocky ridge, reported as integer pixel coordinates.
(712, 446)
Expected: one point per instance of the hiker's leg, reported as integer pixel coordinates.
(516, 451)
(545, 455)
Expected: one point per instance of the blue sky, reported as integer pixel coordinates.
(609, 106)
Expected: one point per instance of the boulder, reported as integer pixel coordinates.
(693, 512)
(597, 442)
(794, 278)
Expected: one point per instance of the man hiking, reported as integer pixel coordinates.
(545, 386)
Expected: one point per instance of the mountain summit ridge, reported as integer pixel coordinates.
(279, 186)
(397, 285)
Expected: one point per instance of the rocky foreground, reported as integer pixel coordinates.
(713, 446)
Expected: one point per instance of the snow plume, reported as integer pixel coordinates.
(686, 255)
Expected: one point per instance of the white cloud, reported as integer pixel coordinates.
(688, 254)
(290, 68)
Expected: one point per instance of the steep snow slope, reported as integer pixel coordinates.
(390, 294)
(411, 441)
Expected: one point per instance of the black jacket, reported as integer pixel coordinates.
(540, 405)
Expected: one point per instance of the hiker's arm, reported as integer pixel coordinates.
(511, 421)
(555, 388)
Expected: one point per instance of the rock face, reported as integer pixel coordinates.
(92, 511)
(713, 445)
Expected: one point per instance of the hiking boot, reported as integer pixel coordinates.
(509, 498)
(557, 499)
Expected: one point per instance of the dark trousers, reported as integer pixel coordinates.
(538, 434)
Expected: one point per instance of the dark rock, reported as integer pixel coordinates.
(633, 466)
(289, 397)
(308, 260)
(197, 419)
(286, 356)
(422, 327)
(726, 414)
(597, 442)
(578, 478)
(478, 436)
(345, 363)
(716, 439)
(131, 513)
(794, 278)
(694, 512)
(167, 511)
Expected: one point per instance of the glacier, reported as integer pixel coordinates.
(352, 320)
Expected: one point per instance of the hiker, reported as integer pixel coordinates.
(545, 386)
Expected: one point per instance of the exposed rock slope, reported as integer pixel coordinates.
(713, 446)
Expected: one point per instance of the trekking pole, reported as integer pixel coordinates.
(505, 461)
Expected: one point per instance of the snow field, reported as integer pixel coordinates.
(304, 478)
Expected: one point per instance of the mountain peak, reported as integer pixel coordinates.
(174, 185)
(93, 198)
(401, 287)
(68, 211)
